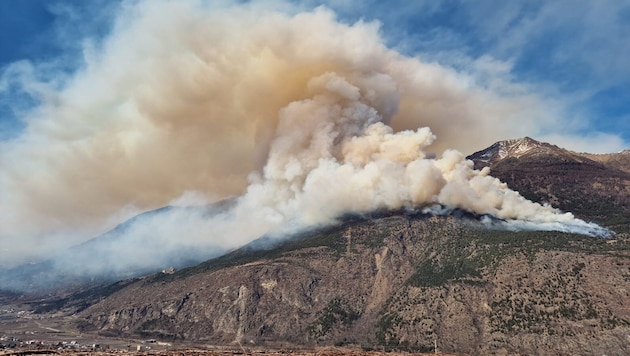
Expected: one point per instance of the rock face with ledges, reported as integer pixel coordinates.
(398, 282)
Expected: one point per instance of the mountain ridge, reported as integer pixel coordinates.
(593, 187)
(66, 269)
(405, 281)
(528, 147)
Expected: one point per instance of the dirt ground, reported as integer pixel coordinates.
(54, 334)
(194, 352)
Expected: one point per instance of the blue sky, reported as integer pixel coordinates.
(575, 52)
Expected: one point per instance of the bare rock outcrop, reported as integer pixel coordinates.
(402, 282)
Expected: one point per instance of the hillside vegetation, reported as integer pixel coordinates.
(399, 282)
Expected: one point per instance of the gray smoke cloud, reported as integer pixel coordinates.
(299, 116)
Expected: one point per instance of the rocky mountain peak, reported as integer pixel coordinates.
(546, 173)
(513, 148)
(533, 151)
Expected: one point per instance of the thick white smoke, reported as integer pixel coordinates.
(301, 116)
(333, 154)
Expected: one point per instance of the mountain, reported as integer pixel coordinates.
(98, 260)
(528, 150)
(405, 280)
(620, 160)
(518, 148)
(593, 187)
(396, 282)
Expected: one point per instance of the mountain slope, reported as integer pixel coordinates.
(397, 282)
(594, 187)
(620, 160)
(526, 149)
(98, 260)
(405, 280)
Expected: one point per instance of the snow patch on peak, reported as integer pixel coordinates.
(511, 148)
(517, 147)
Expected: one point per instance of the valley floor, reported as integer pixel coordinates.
(25, 333)
(195, 352)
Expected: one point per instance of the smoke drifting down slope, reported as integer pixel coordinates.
(302, 117)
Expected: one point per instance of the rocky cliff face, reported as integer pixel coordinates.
(398, 282)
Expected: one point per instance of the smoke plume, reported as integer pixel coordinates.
(299, 116)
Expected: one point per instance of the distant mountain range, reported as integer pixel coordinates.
(408, 281)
